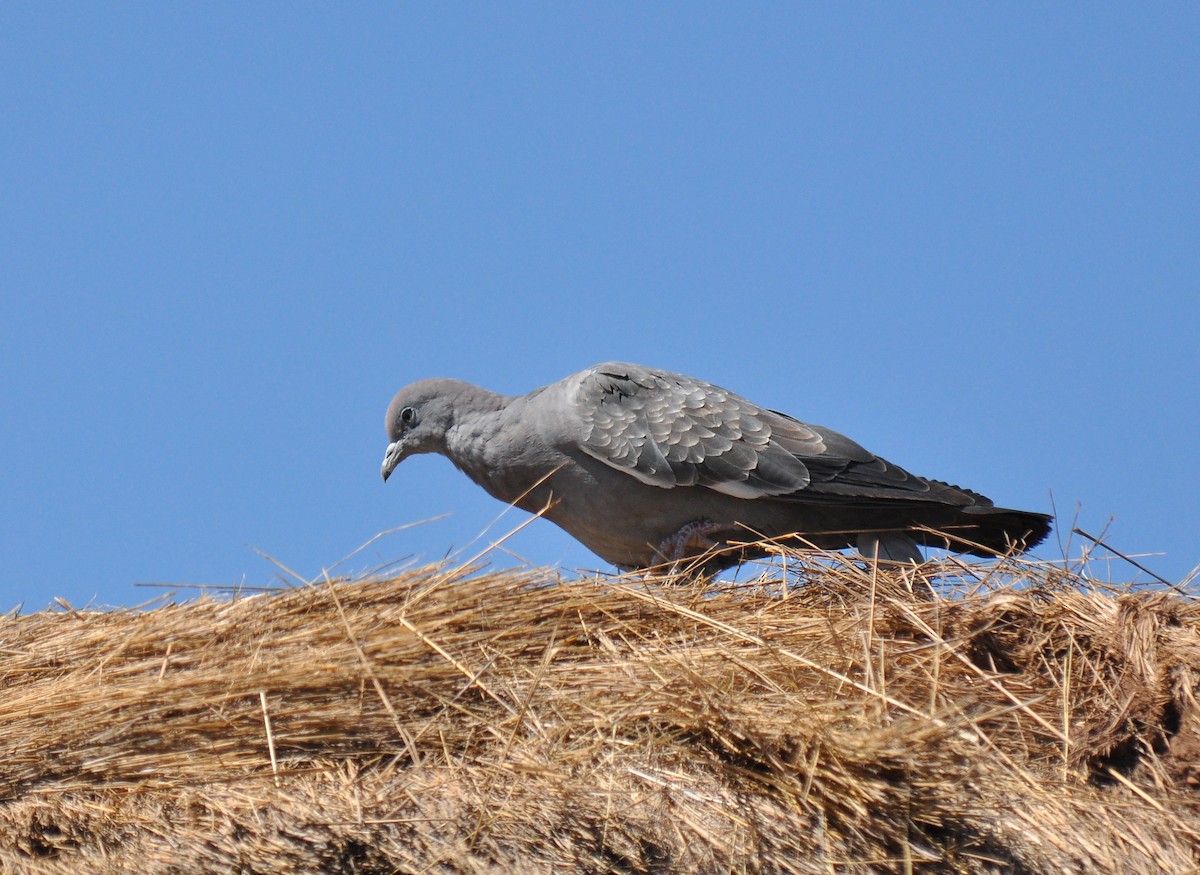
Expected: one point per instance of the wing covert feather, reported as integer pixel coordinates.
(670, 430)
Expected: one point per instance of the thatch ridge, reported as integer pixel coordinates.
(458, 720)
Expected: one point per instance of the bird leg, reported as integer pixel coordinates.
(893, 547)
(692, 540)
(897, 551)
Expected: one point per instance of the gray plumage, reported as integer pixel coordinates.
(644, 466)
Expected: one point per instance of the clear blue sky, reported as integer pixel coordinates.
(966, 235)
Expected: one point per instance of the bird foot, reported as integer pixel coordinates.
(689, 543)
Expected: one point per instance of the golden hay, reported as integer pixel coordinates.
(452, 720)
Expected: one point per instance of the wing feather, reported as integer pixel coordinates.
(670, 430)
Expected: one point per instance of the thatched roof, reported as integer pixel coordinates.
(453, 720)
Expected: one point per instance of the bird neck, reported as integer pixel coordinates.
(486, 446)
(475, 422)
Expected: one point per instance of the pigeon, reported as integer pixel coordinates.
(649, 468)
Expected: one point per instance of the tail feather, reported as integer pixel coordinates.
(986, 531)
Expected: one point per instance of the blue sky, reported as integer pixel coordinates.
(964, 234)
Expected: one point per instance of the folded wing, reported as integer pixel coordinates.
(668, 430)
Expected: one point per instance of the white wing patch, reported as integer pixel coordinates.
(738, 489)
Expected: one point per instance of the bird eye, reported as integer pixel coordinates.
(408, 415)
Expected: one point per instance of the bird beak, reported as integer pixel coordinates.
(393, 457)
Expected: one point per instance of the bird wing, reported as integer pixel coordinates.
(670, 430)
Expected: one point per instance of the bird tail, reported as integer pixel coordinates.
(988, 531)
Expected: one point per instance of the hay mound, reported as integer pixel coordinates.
(455, 721)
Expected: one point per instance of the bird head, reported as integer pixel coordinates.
(417, 420)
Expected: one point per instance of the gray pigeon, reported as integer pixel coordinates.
(646, 468)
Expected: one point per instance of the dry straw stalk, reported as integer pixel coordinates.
(456, 720)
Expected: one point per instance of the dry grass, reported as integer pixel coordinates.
(450, 720)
